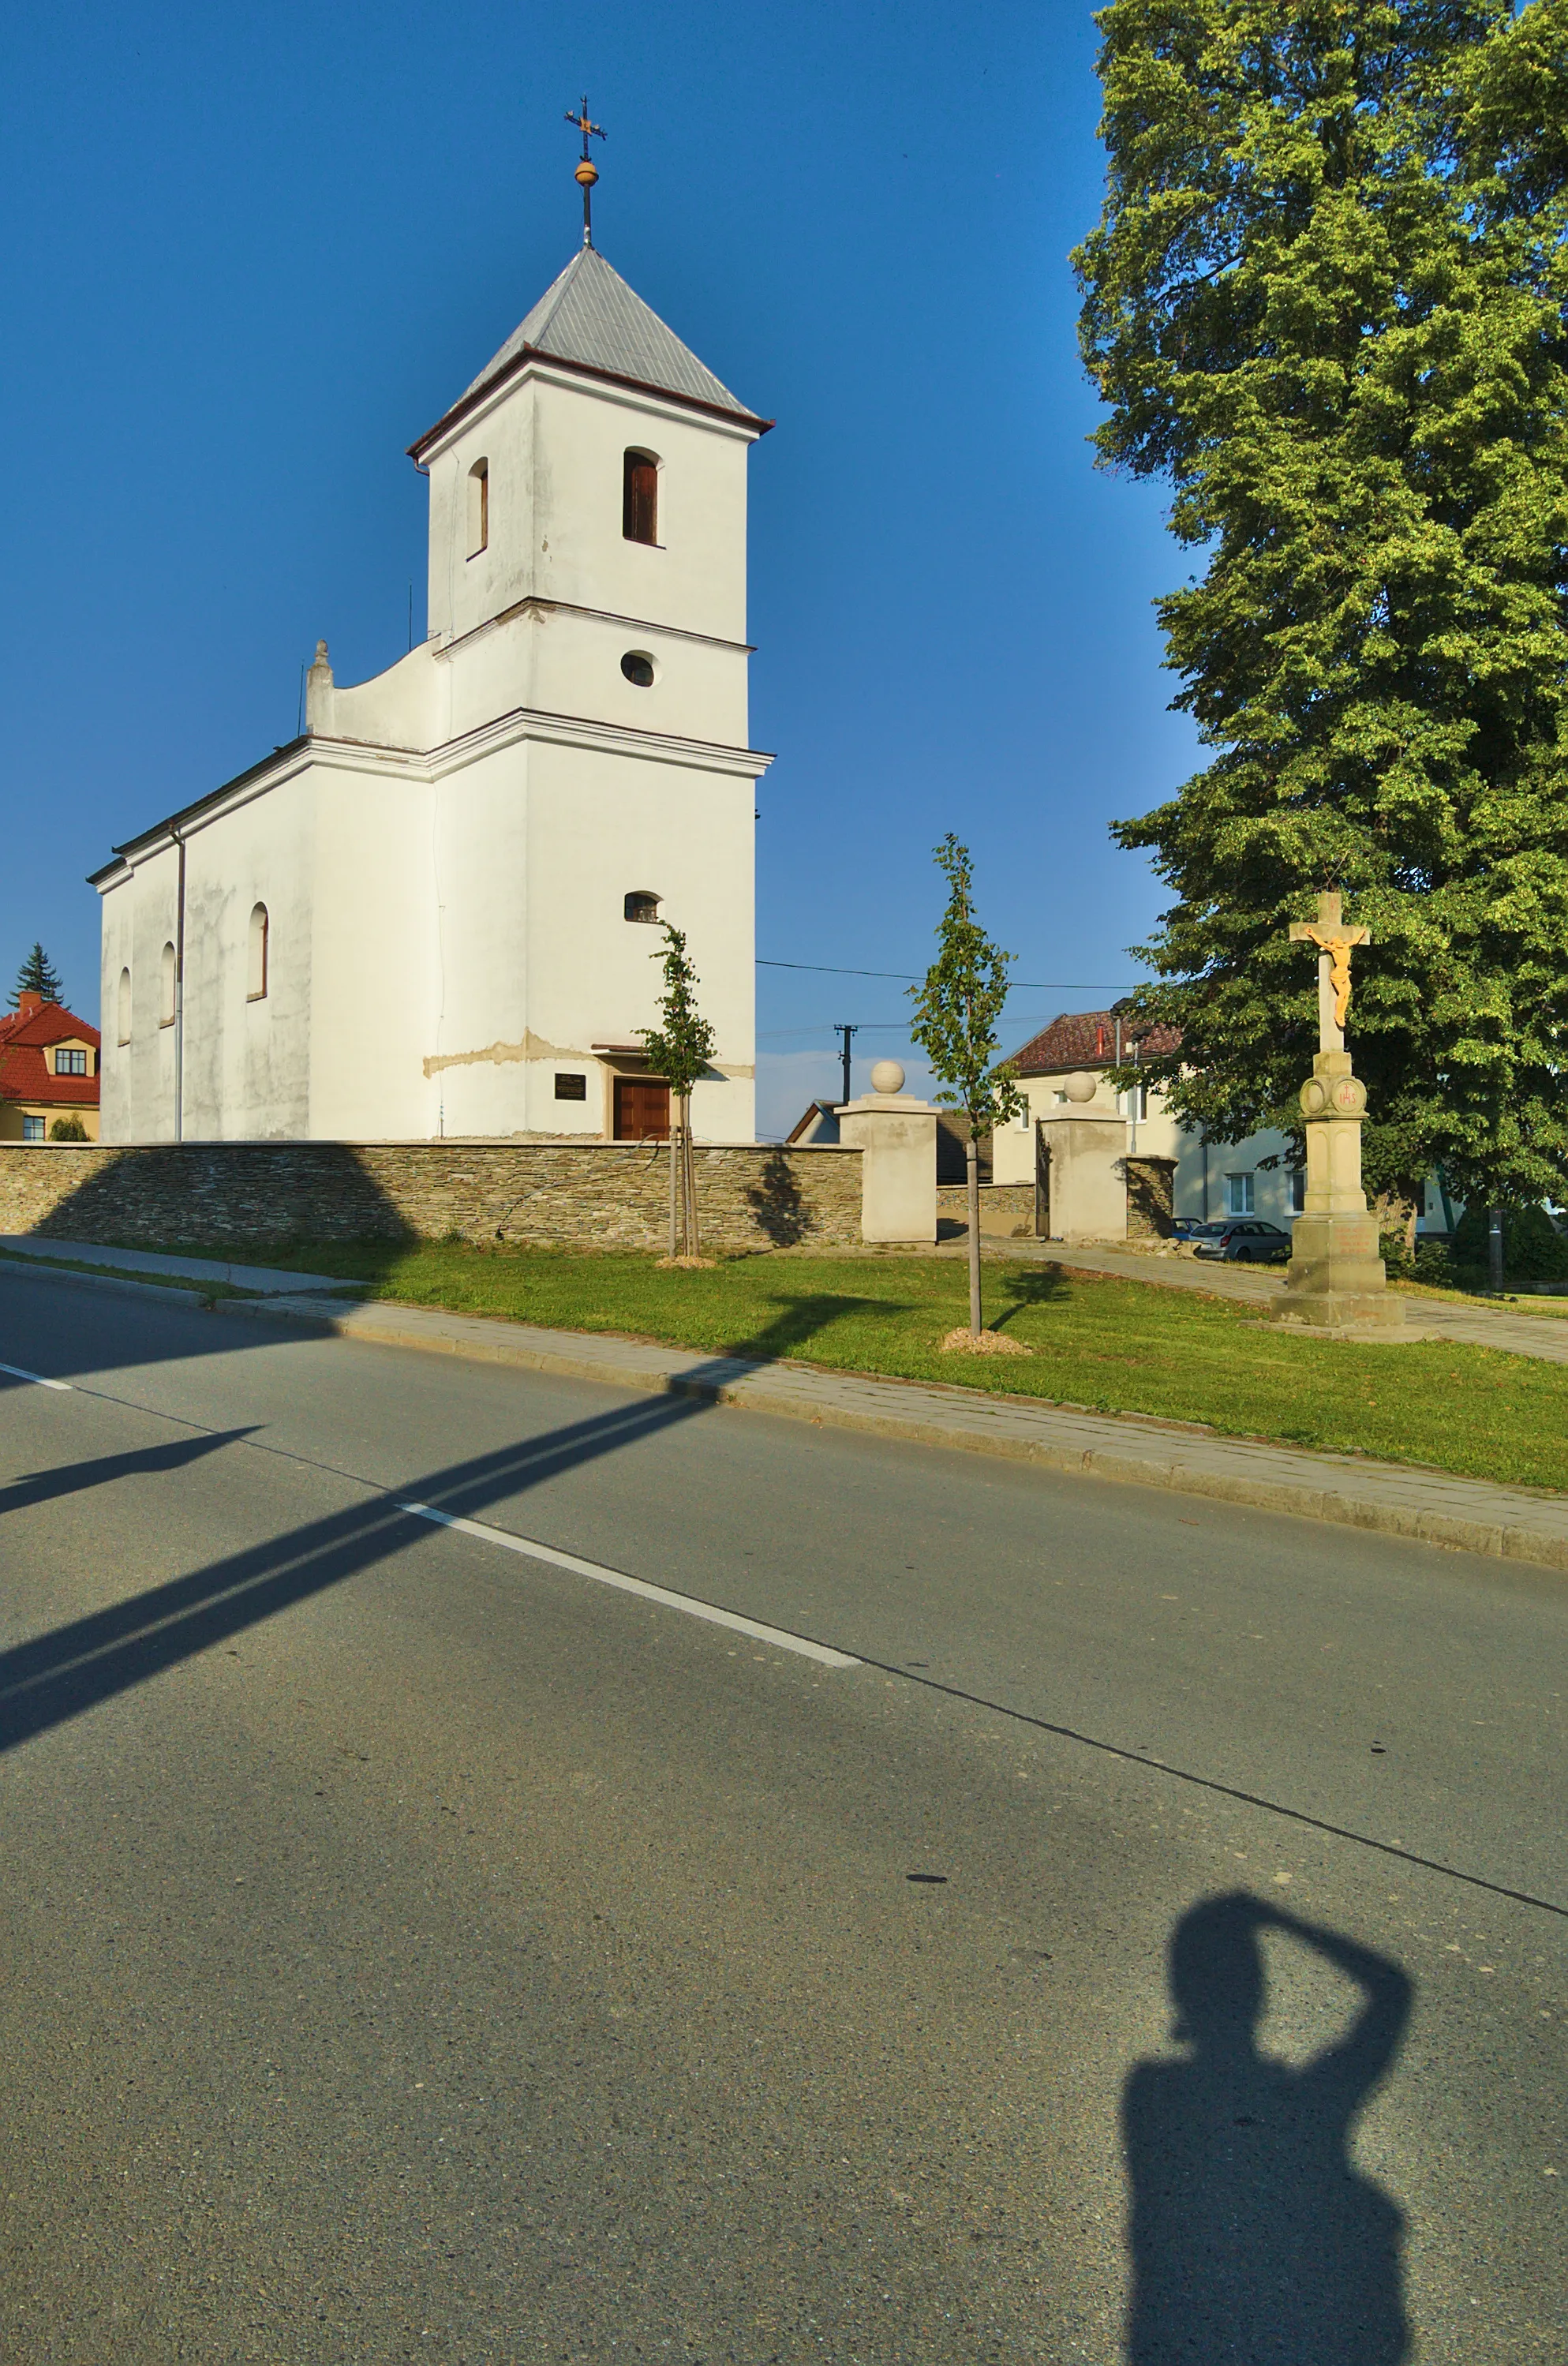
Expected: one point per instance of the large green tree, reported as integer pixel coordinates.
(1326, 301)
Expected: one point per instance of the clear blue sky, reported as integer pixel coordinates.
(252, 252)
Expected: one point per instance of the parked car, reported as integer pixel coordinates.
(1235, 1237)
(1197, 1228)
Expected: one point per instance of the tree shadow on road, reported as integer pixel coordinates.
(62, 1674)
(1254, 2235)
(141, 1462)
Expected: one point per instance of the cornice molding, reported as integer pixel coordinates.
(634, 394)
(523, 724)
(538, 605)
(559, 730)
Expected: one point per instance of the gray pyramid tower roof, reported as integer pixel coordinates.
(589, 320)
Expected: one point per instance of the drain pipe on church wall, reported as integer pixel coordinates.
(180, 994)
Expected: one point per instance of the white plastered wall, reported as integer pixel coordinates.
(445, 883)
(554, 444)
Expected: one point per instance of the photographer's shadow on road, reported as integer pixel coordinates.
(1254, 2236)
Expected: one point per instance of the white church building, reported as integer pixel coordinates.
(429, 914)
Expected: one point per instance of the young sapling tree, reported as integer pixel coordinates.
(679, 1049)
(957, 1010)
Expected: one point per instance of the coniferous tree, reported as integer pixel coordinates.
(37, 976)
(1326, 302)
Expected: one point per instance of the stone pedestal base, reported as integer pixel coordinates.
(1336, 1281)
(1337, 1284)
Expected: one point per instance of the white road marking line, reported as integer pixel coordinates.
(693, 1608)
(36, 1378)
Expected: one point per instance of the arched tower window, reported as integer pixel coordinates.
(478, 508)
(166, 983)
(639, 496)
(123, 1030)
(255, 974)
(642, 904)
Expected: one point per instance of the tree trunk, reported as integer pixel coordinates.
(674, 1192)
(972, 1176)
(689, 1165)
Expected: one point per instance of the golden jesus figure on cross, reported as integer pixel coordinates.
(1334, 937)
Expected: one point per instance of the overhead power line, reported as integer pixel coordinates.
(1036, 984)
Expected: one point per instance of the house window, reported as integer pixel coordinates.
(1239, 1195)
(32, 1128)
(166, 981)
(478, 508)
(639, 668)
(70, 1060)
(255, 974)
(570, 1087)
(125, 1006)
(639, 496)
(642, 904)
(1298, 1190)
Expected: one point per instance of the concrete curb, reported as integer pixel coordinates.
(29, 1269)
(1390, 1498)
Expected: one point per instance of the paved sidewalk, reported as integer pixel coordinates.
(271, 1281)
(1428, 1505)
(1393, 1498)
(1511, 1329)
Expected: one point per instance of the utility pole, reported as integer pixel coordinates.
(846, 1032)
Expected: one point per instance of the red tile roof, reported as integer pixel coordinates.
(1086, 1039)
(24, 1074)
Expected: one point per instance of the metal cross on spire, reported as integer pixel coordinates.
(587, 172)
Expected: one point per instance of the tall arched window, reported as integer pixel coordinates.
(167, 981)
(478, 508)
(639, 496)
(124, 1028)
(255, 974)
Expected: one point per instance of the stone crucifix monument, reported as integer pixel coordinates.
(1337, 1281)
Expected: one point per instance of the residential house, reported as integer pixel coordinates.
(49, 1071)
(1105, 1165)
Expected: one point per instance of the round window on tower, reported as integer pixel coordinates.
(639, 668)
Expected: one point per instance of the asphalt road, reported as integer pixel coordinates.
(1152, 1947)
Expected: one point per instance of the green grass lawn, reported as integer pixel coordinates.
(1109, 1345)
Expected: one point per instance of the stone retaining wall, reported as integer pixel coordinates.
(1006, 1208)
(583, 1195)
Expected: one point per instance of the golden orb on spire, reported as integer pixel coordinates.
(587, 172)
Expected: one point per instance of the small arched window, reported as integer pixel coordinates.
(478, 508)
(642, 904)
(166, 983)
(123, 1030)
(639, 496)
(255, 974)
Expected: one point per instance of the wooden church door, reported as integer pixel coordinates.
(642, 1109)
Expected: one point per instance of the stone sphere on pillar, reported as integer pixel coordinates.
(887, 1076)
(1081, 1086)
